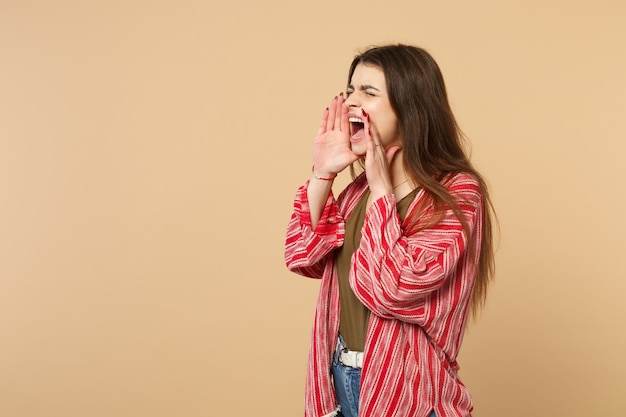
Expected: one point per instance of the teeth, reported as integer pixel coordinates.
(355, 120)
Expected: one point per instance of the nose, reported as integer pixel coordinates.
(352, 101)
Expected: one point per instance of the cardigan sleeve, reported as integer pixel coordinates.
(393, 274)
(308, 250)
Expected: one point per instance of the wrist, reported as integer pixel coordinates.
(322, 176)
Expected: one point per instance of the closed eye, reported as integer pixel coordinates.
(367, 89)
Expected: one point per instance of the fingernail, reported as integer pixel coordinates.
(365, 114)
(341, 94)
(369, 131)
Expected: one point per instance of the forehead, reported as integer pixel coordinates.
(365, 74)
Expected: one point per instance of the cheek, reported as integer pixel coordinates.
(388, 127)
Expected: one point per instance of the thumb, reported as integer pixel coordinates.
(391, 153)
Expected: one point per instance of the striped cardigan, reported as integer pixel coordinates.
(418, 288)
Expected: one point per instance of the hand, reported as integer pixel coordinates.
(332, 152)
(377, 162)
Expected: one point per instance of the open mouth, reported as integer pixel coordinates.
(356, 127)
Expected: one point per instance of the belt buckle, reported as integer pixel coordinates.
(341, 354)
(352, 357)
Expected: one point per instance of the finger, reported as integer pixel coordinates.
(330, 122)
(369, 141)
(322, 128)
(372, 135)
(345, 124)
(338, 111)
(378, 145)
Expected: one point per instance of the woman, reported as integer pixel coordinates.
(404, 253)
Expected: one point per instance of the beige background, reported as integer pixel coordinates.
(150, 151)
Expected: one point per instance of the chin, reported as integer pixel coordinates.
(359, 149)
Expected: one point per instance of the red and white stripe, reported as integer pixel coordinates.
(418, 288)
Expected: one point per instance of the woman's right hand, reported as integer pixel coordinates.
(332, 152)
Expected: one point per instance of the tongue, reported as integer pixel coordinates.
(358, 132)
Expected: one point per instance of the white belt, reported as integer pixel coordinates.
(351, 358)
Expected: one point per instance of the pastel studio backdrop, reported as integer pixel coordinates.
(150, 151)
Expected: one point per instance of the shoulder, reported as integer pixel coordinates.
(464, 187)
(460, 179)
(355, 188)
(351, 194)
(461, 182)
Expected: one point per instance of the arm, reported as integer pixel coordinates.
(316, 227)
(331, 154)
(309, 247)
(394, 274)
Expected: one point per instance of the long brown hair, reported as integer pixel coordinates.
(432, 144)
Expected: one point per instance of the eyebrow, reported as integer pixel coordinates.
(364, 87)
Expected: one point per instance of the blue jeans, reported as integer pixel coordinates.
(347, 381)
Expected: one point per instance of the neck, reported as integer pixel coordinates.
(396, 170)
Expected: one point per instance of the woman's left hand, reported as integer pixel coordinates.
(377, 162)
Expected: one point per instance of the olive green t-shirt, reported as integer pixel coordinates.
(354, 316)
